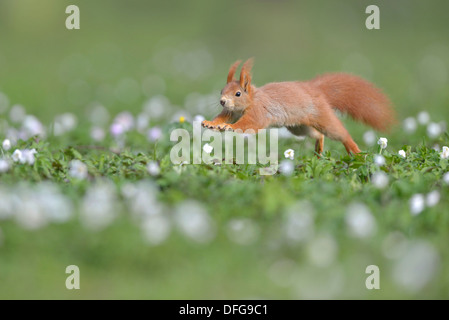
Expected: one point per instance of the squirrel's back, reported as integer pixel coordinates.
(357, 97)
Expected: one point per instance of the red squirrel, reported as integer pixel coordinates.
(304, 108)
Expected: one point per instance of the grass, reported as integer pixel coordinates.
(118, 262)
(206, 231)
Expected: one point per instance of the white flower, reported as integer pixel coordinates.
(4, 165)
(416, 267)
(6, 144)
(28, 155)
(30, 215)
(417, 204)
(379, 160)
(116, 129)
(445, 153)
(142, 199)
(156, 229)
(286, 167)
(55, 206)
(208, 148)
(153, 168)
(98, 207)
(33, 126)
(17, 113)
(369, 137)
(97, 134)
(194, 222)
(379, 179)
(154, 134)
(360, 221)
(125, 119)
(13, 135)
(64, 123)
(446, 178)
(410, 125)
(17, 156)
(299, 222)
(142, 122)
(199, 118)
(289, 154)
(383, 142)
(433, 198)
(423, 117)
(24, 156)
(433, 130)
(157, 106)
(98, 114)
(77, 169)
(322, 250)
(402, 153)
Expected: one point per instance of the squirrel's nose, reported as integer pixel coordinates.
(222, 102)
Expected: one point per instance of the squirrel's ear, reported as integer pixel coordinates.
(245, 74)
(232, 71)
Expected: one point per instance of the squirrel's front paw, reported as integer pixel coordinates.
(225, 127)
(213, 126)
(208, 124)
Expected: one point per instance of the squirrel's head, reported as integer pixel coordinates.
(237, 94)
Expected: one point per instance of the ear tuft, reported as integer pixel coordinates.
(232, 70)
(245, 74)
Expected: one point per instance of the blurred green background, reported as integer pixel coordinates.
(46, 67)
(128, 51)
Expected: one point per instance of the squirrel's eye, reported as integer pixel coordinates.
(238, 93)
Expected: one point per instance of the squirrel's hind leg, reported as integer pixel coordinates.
(319, 145)
(331, 126)
(319, 137)
(351, 146)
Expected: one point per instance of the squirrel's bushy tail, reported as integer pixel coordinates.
(358, 98)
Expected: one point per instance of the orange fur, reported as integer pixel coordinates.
(305, 108)
(245, 75)
(357, 97)
(232, 71)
